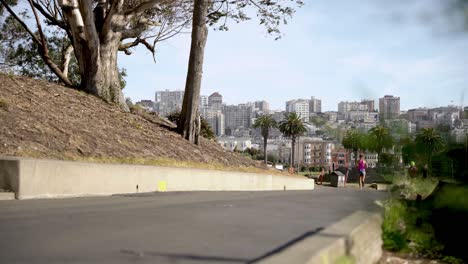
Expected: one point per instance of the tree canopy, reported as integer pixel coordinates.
(78, 41)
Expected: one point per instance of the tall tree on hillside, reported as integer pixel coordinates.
(292, 127)
(380, 140)
(265, 123)
(429, 141)
(189, 117)
(98, 29)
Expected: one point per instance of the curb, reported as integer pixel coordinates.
(358, 236)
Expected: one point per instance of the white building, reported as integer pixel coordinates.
(203, 101)
(167, 102)
(444, 115)
(232, 143)
(300, 107)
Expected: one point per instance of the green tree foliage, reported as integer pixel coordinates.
(97, 30)
(379, 139)
(19, 54)
(354, 141)
(265, 123)
(409, 150)
(292, 127)
(428, 142)
(318, 121)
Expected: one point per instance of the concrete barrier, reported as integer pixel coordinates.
(41, 178)
(358, 236)
(7, 196)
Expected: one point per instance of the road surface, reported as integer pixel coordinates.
(179, 227)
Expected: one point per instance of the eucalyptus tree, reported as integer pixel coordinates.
(98, 29)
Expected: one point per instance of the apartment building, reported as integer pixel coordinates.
(167, 102)
(300, 107)
(389, 107)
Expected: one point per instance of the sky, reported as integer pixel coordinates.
(333, 50)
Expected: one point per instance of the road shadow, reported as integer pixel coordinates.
(179, 257)
(286, 245)
(174, 258)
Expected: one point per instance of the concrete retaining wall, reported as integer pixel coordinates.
(36, 178)
(358, 236)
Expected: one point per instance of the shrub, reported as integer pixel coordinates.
(3, 103)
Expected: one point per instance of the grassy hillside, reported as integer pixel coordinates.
(47, 120)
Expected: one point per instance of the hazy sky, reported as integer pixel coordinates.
(333, 50)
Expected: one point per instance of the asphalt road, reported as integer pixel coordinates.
(184, 227)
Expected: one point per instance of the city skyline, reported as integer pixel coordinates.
(353, 52)
(336, 109)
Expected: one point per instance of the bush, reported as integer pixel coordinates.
(406, 228)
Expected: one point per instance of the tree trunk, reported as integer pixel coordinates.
(293, 148)
(96, 52)
(189, 114)
(101, 74)
(265, 142)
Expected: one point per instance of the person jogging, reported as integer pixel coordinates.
(362, 166)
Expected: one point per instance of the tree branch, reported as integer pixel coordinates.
(136, 42)
(53, 20)
(87, 14)
(39, 29)
(66, 59)
(145, 6)
(12, 13)
(42, 48)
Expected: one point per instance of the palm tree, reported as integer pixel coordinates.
(380, 140)
(265, 123)
(292, 127)
(429, 141)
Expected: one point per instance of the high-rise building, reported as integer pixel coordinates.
(262, 106)
(203, 101)
(237, 116)
(370, 104)
(168, 101)
(215, 119)
(389, 107)
(215, 101)
(344, 107)
(300, 107)
(315, 105)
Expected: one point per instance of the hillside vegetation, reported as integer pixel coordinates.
(47, 120)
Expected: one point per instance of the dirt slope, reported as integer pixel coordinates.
(43, 119)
